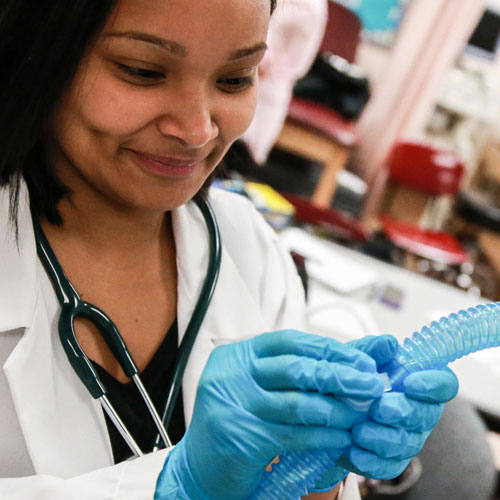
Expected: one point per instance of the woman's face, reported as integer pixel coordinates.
(156, 104)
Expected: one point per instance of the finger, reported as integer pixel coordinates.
(382, 348)
(388, 442)
(307, 408)
(265, 440)
(367, 464)
(298, 372)
(300, 438)
(433, 386)
(312, 346)
(397, 410)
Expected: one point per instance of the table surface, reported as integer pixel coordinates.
(364, 311)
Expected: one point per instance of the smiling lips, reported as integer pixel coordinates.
(163, 165)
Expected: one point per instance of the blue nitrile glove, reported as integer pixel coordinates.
(401, 422)
(260, 398)
(382, 349)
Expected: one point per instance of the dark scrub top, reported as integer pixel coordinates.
(129, 405)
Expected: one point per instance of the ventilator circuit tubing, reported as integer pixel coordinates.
(434, 346)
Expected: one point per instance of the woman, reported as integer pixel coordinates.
(114, 116)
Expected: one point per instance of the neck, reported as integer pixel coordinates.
(114, 234)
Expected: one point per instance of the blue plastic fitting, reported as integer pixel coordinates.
(434, 346)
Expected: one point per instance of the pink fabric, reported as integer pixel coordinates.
(431, 36)
(295, 34)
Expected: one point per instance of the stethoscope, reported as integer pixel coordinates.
(72, 307)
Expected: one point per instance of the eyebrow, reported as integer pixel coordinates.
(167, 45)
(178, 49)
(240, 54)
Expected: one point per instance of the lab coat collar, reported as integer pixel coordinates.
(17, 301)
(62, 426)
(226, 319)
(225, 310)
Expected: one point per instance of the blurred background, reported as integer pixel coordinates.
(388, 111)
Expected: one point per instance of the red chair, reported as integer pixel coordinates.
(343, 31)
(317, 132)
(339, 223)
(417, 174)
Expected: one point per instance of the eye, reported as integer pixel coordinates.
(234, 85)
(138, 75)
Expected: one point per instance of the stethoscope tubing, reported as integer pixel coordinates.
(199, 312)
(72, 307)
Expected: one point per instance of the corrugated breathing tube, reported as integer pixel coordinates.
(433, 346)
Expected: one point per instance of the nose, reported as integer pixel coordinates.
(188, 116)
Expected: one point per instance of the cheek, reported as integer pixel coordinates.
(115, 111)
(104, 104)
(239, 117)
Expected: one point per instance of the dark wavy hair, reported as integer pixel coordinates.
(41, 46)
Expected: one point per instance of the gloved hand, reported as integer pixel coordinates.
(400, 424)
(382, 349)
(260, 398)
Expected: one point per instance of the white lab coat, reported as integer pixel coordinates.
(53, 438)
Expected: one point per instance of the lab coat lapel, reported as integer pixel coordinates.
(233, 313)
(62, 426)
(17, 265)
